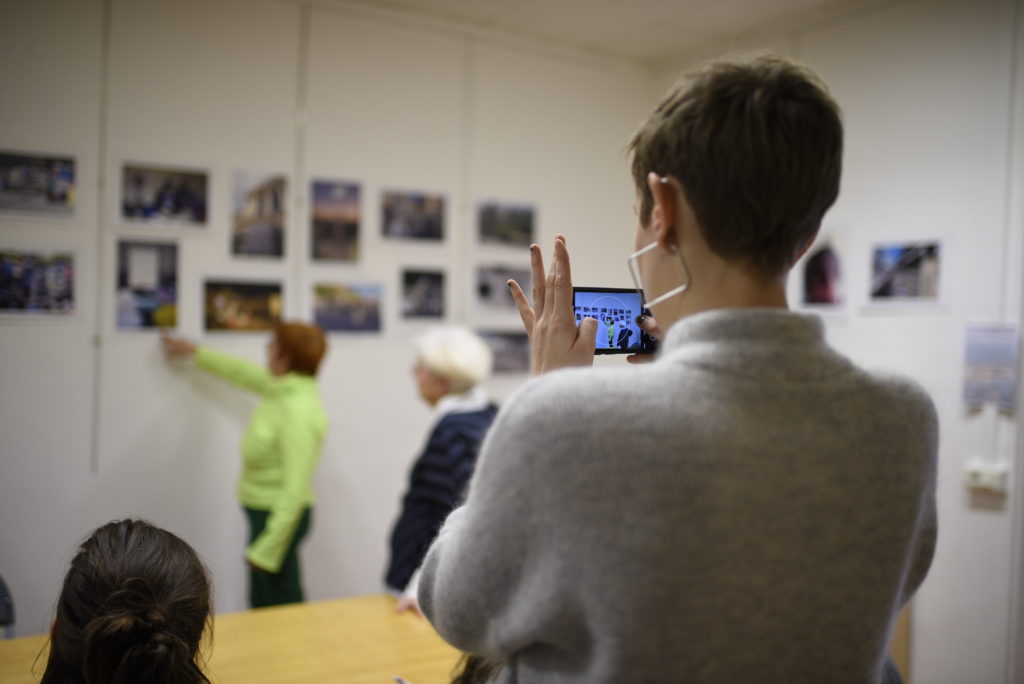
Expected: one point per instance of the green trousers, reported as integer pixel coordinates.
(285, 585)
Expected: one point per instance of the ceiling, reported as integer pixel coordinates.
(647, 31)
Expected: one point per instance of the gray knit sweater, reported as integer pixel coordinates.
(751, 507)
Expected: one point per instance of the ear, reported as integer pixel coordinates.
(664, 190)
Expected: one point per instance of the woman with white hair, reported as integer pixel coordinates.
(451, 362)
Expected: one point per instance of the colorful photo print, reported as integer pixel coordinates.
(35, 183)
(155, 194)
(36, 282)
(348, 308)
(511, 351)
(259, 201)
(422, 294)
(413, 216)
(823, 281)
(241, 305)
(335, 221)
(492, 291)
(906, 271)
(505, 224)
(147, 285)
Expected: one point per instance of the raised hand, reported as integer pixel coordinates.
(555, 341)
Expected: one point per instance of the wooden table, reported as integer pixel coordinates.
(355, 641)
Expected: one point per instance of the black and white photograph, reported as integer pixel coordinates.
(147, 285)
(511, 225)
(352, 307)
(492, 293)
(37, 282)
(164, 195)
(511, 350)
(36, 183)
(258, 220)
(906, 272)
(422, 293)
(241, 306)
(334, 220)
(412, 216)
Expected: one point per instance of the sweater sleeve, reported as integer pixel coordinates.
(299, 442)
(237, 371)
(484, 582)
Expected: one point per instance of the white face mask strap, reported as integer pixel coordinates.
(634, 271)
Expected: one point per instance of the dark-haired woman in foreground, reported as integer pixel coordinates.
(134, 605)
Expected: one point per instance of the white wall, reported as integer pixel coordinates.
(313, 92)
(933, 151)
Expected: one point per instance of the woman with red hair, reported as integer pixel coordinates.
(280, 450)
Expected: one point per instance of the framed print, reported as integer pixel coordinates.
(509, 225)
(259, 202)
(352, 307)
(34, 282)
(511, 350)
(334, 221)
(147, 285)
(906, 272)
(240, 306)
(163, 195)
(412, 216)
(36, 183)
(422, 293)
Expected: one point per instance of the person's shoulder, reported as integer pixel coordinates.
(575, 392)
(907, 397)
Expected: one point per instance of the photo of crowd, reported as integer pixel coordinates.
(36, 183)
(147, 285)
(162, 195)
(34, 282)
(335, 221)
(348, 308)
(413, 216)
(241, 306)
(422, 294)
(505, 224)
(259, 214)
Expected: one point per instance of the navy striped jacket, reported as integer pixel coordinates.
(437, 484)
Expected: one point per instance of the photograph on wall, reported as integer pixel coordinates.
(241, 305)
(511, 351)
(147, 284)
(906, 272)
(492, 293)
(412, 216)
(422, 293)
(259, 201)
(505, 224)
(37, 282)
(164, 195)
(823, 282)
(352, 307)
(36, 184)
(335, 221)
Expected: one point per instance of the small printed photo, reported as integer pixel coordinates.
(505, 224)
(906, 271)
(348, 308)
(241, 305)
(422, 294)
(35, 183)
(259, 201)
(823, 278)
(511, 351)
(335, 221)
(492, 291)
(147, 284)
(154, 194)
(413, 216)
(36, 282)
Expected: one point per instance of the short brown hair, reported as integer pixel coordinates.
(304, 344)
(757, 147)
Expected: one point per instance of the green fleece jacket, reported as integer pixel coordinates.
(280, 449)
